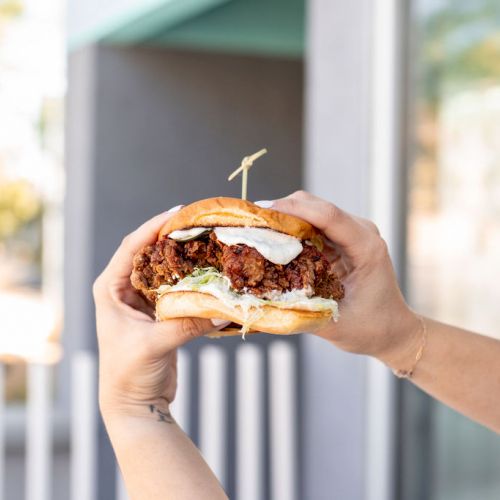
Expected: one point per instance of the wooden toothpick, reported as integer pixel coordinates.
(246, 163)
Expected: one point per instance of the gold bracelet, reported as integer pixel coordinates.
(418, 357)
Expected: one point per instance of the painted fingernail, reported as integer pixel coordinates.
(174, 209)
(264, 203)
(220, 323)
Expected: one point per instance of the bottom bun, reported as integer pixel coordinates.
(270, 319)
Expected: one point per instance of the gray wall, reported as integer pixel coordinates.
(149, 129)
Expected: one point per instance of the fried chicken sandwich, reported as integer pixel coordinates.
(228, 258)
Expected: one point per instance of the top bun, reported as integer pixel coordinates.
(233, 212)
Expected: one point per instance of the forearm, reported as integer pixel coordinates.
(461, 369)
(158, 461)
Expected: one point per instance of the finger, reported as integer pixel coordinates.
(136, 301)
(369, 225)
(340, 268)
(305, 196)
(120, 264)
(173, 333)
(338, 226)
(331, 251)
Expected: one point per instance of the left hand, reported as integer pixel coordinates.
(137, 355)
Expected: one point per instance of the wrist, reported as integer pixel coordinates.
(131, 430)
(119, 407)
(405, 343)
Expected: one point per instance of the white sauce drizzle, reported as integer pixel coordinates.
(187, 234)
(279, 248)
(276, 247)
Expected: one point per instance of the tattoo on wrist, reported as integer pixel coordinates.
(162, 415)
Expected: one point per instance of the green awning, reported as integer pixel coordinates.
(272, 27)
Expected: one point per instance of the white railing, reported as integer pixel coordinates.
(39, 432)
(83, 426)
(39, 440)
(283, 393)
(250, 422)
(213, 372)
(213, 425)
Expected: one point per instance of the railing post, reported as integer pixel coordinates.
(39, 432)
(83, 426)
(283, 422)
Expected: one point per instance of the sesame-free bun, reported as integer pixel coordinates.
(189, 304)
(233, 212)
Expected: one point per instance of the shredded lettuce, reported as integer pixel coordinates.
(203, 276)
(209, 280)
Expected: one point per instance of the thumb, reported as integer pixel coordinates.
(176, 332)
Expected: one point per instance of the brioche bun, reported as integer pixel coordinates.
(233, 212)
(189, 304)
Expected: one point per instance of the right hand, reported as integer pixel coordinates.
(374, 317)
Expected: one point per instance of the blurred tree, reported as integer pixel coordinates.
(11, 8)
(458, 47)
(19, 204)
(459, 44)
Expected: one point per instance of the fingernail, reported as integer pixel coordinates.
(264, 203)
(175, 209)
(220, 323)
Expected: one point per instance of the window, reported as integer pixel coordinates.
(453, 240)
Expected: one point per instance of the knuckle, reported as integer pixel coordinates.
(331, 212)
(372, 227)
(301, 195)
(98, 287)
(379, 247)
(190, 328)
(293, 203)
(288, 203)
(375, 228)
(126, 240)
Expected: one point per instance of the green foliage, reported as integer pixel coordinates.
(11, 8)
(460, 44)
(19, 205)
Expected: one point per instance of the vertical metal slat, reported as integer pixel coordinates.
(249, 425)
(39, 433)
(283, 421)
(213, 390)
(83, 426)
(180, 406)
